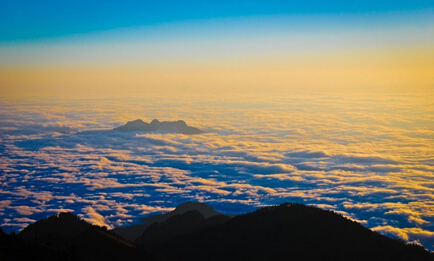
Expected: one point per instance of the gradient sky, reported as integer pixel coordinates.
(47, 46)
(321, 102)
(29, 20)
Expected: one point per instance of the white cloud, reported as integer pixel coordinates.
(333, 152)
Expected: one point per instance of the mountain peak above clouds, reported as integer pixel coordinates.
(164, 126)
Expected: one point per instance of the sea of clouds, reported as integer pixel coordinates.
(369, 157)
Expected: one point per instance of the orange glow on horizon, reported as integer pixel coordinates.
(404, 67)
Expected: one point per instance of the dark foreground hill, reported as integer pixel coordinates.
(164, 126)
(57, 231)
(133, 232)
(285, 232)
(67, 237)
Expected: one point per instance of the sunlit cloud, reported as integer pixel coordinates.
(94, 217)
(365, 156)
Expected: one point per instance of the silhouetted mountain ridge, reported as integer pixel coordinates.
(2, 233)
(283, 232)
(55, 231)
(66, 237)
(178, 225)
(133, 232)
(164, 126)
(289, 232)
(206, 210)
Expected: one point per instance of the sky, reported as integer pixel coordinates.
(29, 20)
(46, 46)
(318, 102)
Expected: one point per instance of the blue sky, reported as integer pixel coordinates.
(30, 20)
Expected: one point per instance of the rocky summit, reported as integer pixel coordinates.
(157, 126)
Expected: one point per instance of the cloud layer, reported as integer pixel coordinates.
(368, 157)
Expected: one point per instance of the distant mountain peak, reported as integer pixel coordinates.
(134, 231)
(164, 126)
(201, 207)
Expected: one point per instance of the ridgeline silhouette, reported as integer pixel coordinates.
(287, 232)
(195, 231)
(133, 232)
(66, 237)
(178, 225)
